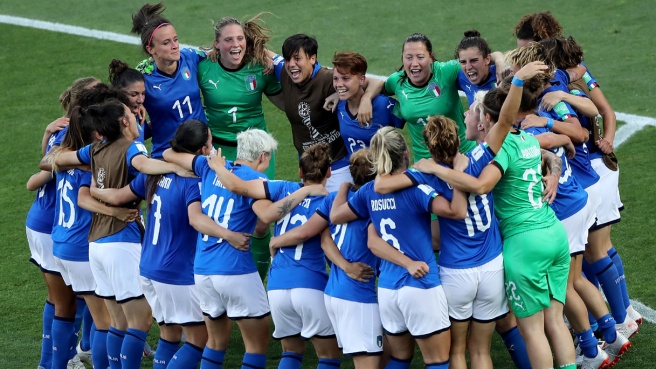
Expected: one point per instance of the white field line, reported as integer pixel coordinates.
(634, 123)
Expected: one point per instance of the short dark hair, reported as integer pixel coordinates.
(297, 42)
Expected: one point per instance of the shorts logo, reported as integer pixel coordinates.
(186, 74)
(379, 341)
(434, 89)
(251, 82)
(101, 177)
(514, 298)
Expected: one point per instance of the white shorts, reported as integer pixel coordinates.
(337, 177)
(78, 275)
(475, 293)
(609, 211)
(576, 227)
(299, 311)
(357, 325)
(115, 267)
(421, 312)
(172, 303)
(239, 296)
(41, 251)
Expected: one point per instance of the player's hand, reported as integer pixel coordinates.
(425, 165)
(238, 240)
(215, 160)
(502, 73)
(142, 115)
(605, 146)
(273, 242)
(361, 272)
(182, 172)
(531, 70)
(57, 125)
(317, 190)
(550, 187)
(125, 214)
(460, 162)
(570, 150)
(550, 99)
(417, 269)
(533, 120)
(365, 112)
(330, 104)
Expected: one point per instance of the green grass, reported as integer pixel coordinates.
(37, 65)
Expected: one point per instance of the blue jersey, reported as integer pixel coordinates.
(403, 220)
(470, 89)
(131, 233)
(72, 223)
(580, 163)
(41, 215)
(172, 99)
(216, 255)
(352, 243)
(169, 244)
(302, 265)
(475, 240)
(357, 137)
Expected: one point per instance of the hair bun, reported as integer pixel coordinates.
(472, 33)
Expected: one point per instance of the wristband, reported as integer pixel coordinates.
(517, 82)
(550, 123)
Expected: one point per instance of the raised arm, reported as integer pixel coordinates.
(388, 183)
(205, 225)
(340, 212)
(269, 212)
(361, 272)
(315, 225)
(37, 180)
(253, 188)
(384, 250)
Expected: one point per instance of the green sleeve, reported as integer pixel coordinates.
(503, 157)
(392, 83)
(271, 84)
(450, 70)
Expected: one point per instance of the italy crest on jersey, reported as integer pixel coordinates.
(251, 82)
(434, 89)
(186, 74)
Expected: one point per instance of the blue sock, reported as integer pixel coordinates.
(253, 361)
(395, 363)
(619, 265)
(46, 336)
(115, 339)
(63, 331)
(607, 327)
(165, 351)
(516, 348)
(188, 356)
(92, 333)
(99, 349)
(290, 360)
(133, 348)
(442, 365)
(606, 272)
(328, 363)
(589, 274)
(588, 343)
(212, 359)
(79, 316)
(87, 321)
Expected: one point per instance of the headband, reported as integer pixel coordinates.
(155, 30)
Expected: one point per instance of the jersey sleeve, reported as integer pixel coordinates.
(392, 83)
(479, 158)
(590, 80)
(84, 178)
(358, 202)
(423, 196)
(139, 185)
(324, 208)
(84, 154)
(502, 159)
(563, 111)
(271, 84)
(200, 165)
(449, 69)
(135, 149)
(191, 190)
(59, 137)
(383, 112)
(278, 66)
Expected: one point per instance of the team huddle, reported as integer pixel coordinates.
(500, 222)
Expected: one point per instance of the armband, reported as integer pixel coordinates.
(517, 82)
(550, 123)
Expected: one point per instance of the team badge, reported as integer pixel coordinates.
(186, 74)
(251, 82)
(434, 89)
(100, 178)
(379, 341)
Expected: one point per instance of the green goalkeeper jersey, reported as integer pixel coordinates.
(518, 196)
(233, 97)
(439, 96)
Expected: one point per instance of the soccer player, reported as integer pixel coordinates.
(115, 246)
(305, 86)
(124, 78)
(232, 82)
(350, 294)
(167, 259)
(411, 298)
(535, 285)
(478, 72)
(172, 91)
(536, 27)
(348, 80)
